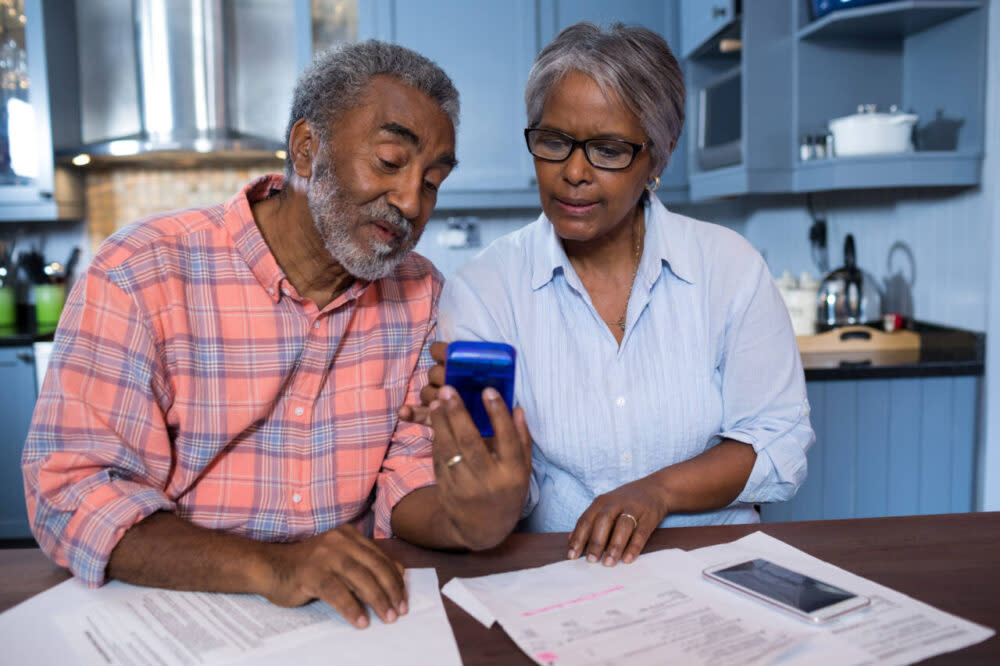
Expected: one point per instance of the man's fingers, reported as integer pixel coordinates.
(429, 394)
(507, 442)
(600, 530)
(334, 592)
(521, 424)
(387, 571)
(367, 586)
(436, 376)
(439, 351)
(470, 444)
(420, 415)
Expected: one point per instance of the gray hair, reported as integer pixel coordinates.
(334, 81)
(635, 64)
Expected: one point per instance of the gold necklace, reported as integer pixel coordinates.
(635, 271)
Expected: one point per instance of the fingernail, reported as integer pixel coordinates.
(447, 392)
(403, 608)
(609, 561)
(391, 616)
(628, 559)
(490, 394)
(571, 554)
(435, 405)
(361, 622)
(591, 558)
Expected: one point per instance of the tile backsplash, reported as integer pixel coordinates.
(121, 195)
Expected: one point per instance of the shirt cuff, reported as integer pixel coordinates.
(394, 486)
(100, 522)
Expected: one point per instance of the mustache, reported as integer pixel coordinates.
(391, 215)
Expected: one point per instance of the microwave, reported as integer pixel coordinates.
(720, 121)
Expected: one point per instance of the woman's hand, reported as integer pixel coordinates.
(421, 413)
(618, 524)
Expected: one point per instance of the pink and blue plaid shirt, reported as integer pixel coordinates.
(189, 376)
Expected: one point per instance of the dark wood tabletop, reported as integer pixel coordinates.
(951, 562)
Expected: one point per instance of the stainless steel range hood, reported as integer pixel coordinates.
(176, 80)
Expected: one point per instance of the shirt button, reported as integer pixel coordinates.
(296, 498)
(299, 411)
(270, 290)
(286, 292)
(626, 457)
(316, 325)
(620, 402)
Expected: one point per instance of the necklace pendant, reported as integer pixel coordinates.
(621, 323)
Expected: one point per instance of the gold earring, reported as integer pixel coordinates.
(653, 185)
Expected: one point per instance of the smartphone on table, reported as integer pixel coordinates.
(471, 366)
(791, 591)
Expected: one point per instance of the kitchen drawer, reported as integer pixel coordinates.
(701, 19)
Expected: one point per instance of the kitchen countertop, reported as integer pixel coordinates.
(944, 352)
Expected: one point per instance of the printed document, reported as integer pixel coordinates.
(126, 624)
(660, 609)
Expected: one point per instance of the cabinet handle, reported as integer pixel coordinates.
(719, 12)
(27, 357)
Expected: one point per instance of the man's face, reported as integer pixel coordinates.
(374, 181)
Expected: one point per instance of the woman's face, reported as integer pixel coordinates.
(584, 202)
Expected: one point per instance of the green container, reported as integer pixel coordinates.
(8, 307)
(49, 301)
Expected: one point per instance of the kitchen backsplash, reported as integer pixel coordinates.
(119, 196)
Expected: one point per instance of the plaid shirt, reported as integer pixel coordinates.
(189, 376)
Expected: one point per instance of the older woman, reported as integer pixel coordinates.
(656, 363)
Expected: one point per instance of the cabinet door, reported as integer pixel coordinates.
(487, 49)
(660, 17)
(17, 400)
(700, 19)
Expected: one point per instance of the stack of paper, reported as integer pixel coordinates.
(661, 610)
(124, 624)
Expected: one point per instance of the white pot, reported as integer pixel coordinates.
(871, 133)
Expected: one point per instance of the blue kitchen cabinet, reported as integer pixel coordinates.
(660, 17)
(487, 48)
(701, 20)
(17, 401)
(888, 447)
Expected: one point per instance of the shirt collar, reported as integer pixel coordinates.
(665, 243)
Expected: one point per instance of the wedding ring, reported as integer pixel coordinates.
(630, 517)
(457, 458)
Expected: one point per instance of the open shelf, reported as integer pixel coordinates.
(927, 168)
(890, 20)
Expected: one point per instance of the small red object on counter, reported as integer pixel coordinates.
(892, 322)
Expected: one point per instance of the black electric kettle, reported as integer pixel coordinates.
(838, 302)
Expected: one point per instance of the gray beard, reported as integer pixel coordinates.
(335, 217)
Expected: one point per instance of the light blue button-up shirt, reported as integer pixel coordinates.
(708, 353)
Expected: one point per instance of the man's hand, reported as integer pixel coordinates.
(618, 524)
(342, 568)
(482, 484)
(429, 393)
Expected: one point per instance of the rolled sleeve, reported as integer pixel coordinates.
(97, 456)
(409, 463)
(765, 394)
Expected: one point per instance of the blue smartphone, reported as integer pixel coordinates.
(472, 366)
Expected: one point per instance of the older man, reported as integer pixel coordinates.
(220, 408)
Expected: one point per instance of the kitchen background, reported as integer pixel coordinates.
(927, 239)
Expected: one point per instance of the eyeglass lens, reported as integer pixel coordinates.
(603, 153)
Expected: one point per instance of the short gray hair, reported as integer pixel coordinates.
(633, 63)
(334, 81)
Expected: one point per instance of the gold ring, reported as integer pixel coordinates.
(454, 460)
(630, 517)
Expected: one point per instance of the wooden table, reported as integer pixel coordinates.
(951, 562)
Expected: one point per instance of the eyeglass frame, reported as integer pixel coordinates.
(574, 143)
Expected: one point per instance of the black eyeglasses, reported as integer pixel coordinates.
(554, 146)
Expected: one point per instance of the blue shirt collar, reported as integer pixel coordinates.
(667, 242)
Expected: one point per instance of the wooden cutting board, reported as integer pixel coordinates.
(858, 339)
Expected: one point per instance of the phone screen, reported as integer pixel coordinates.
(783, 585)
